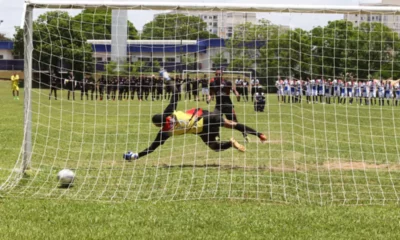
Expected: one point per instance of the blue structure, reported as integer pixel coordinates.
(6, 48)
(165, 50)
(200, 46)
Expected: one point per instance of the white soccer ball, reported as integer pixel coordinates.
(66, 177)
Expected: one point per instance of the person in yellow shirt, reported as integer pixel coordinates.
(14, 86)
(195, 121)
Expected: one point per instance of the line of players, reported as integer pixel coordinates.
(320, 90)
(144, 88)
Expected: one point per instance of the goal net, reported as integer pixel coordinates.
(325, 96)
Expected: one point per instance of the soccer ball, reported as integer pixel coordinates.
(66, 177)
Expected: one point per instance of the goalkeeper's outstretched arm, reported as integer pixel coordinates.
(169, 110)
(160, 120)
(160, 140)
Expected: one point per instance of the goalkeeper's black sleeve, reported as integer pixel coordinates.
(172, 104)
(160, 140)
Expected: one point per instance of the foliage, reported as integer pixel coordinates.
(137, 67)
(188, 60)
(219, 59)
(18, 43)
(96, 24)
(3, 37)
(330, 51)
(176, 26)
(56, 43)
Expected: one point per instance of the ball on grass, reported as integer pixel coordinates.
(66, 177)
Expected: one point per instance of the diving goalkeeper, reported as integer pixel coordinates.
(195, 121)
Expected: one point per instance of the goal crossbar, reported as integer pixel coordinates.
(232, 7)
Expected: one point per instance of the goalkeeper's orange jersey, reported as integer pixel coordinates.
(180, 123)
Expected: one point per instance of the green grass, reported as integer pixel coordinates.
(330, 155)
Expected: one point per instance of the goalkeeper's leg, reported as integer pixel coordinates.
(244, 129)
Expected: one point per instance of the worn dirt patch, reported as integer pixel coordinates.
(355, 166)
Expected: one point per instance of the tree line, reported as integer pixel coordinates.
(367, 50)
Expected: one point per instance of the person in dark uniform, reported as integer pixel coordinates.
(159, 85)
(114, 84)
(224, 103)
(153, 87)
(121, 88)
(84, 86)
(195, 89)
(101, 84)
(188, 85)
(239, 87)
(140, 87)
(204, 88)
(92, 87)
(134, 87)
(54, 85)
(71, 84)
(245, 85)
(146, 87)
(178, 84)
(126, 88)
(109, 87)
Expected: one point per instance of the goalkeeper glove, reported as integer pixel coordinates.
(129, 156)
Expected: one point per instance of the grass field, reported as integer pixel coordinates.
(318, 158)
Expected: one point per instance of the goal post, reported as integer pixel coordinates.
(326, 133)
(28, 48)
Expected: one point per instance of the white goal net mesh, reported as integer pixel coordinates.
(325, 85)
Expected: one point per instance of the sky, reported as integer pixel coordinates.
(11, 12)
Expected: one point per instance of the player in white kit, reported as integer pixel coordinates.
(388, 91)
(381, 92)
(279, 89)
(308, 90)
(313, 90)
(328, 91)
(365, 92)
(372, 90)
(321, 88)
(343, 91)
(349, 88)
(396, 88)
(292, 89)
(299, 90)
(336, 90)
(286, 89)
(357, 91)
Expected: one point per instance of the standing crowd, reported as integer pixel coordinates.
(348, 89)
(145, 88)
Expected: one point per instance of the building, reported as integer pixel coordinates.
(168, 53)
(391, 21)
(7, 61)
(221, 23)
(6, 48)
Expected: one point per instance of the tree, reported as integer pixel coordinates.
(3, 37)
(137, 67)
(96, 24)
(188, 60)
(176, 26)
(18, 50)
(219, 59)
(57, 43)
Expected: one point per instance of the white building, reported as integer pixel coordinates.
(221, 23)
(6, 48)
(391, 21)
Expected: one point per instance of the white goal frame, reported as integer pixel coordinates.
(232, 7)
